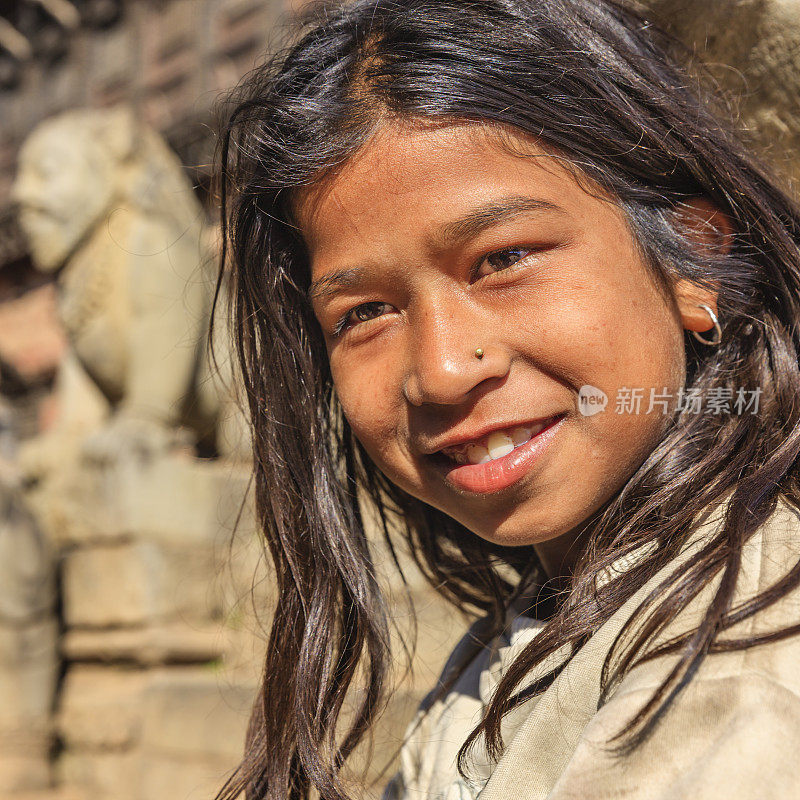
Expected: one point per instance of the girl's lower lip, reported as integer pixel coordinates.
(493, 476)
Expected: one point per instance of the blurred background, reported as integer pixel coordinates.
(134, 595)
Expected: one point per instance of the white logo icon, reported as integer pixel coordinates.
(591, 400)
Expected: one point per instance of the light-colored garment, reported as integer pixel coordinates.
(732, 733)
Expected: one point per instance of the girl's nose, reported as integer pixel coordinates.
(449, 356)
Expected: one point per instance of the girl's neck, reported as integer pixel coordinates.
(558, 556)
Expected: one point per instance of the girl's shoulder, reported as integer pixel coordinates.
(769, 560)
(561, 734)
(428, 769)
(732, 729)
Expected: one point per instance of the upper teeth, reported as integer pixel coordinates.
(496, 445)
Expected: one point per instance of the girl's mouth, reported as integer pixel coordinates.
(492, 474)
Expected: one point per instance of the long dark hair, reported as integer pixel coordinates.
(601, 87)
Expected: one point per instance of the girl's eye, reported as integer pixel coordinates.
(501, 259)
(361, 313)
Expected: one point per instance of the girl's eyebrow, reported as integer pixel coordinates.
(488, 214)
(467, 227)
(330, 283)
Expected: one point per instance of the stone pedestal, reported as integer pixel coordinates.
(162, 654)
(163, 732)
(28, 649)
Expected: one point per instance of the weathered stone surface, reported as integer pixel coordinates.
(151, 646)
(28, 648)
(27, 573)
(171, 498)
(28, 642)
(194, 728)
(101, 194)
(139, 582)
(195, 713)
(158, 586)
(101, 708)
(101, 776)
(753, 49)
(439, 626)
(24, 753)
(145, 734)
(415, 608)
(192, 779)
(28, 672)
(23, 772)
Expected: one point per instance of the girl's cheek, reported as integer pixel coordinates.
(366, 395)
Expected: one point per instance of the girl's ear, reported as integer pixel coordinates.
(706, 224)
(712, 230)
(689, 296)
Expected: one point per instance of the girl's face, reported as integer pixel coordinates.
(433, 242)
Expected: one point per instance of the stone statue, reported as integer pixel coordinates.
(102, 199)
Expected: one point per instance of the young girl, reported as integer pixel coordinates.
(498, 271)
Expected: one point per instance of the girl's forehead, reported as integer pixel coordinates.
(419, 163)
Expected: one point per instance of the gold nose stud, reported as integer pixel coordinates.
(479, 353)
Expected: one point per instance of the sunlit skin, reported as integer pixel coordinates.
(570, 303)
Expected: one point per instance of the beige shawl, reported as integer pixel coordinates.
(733, 732)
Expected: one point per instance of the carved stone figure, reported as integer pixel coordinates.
(102, 199)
